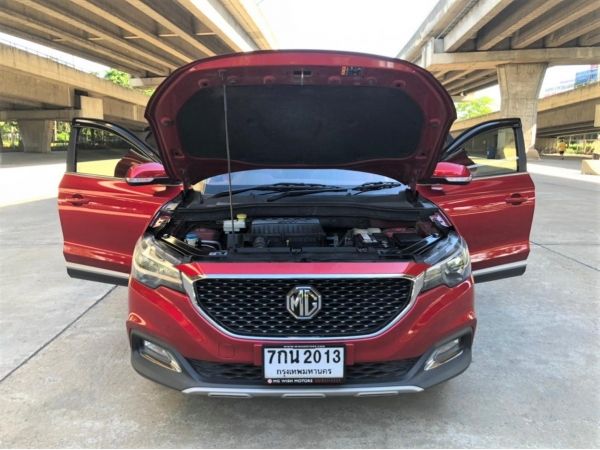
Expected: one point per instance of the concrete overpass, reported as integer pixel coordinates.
(571, 112)
(146, 38)
(36, 91)
(472, 44)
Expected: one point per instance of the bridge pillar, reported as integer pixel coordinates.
(519, 89)
(36, 135)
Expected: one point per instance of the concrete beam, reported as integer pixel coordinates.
(108, 56)
(441, 16)
(41, 68)
(18, 87)
(491, 59)
(72, 19)
(474, 86)
(472, 22)
(462, 125)
(453, 76)
(246, 13)
(146, 82)
(165, 20)
(473, 77)
(122, 111)
(563, 16)
(218, 19)
(514, 21)
(91, 108)
(562, 113)
(584, 25)
(64, 115)
(577, 96)
(568, 116)
(105, 11)
(589, 39)
(67, 47)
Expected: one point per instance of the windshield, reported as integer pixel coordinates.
(248, 178)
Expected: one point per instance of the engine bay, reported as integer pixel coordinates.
(306, 235)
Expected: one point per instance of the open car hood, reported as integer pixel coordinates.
(300, 109)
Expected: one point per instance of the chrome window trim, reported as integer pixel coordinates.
(188, 285)
(475, 179)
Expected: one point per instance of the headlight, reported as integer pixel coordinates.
(153, 266)
(453, 269)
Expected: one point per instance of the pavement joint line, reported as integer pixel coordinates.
(57, 335)
(565, 256)
(579, 188)
(570, 244)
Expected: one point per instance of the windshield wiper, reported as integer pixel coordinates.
(277, 187)
(299, 192)
(375, 186)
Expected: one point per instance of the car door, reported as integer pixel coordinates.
(493, 212)
(101, 215)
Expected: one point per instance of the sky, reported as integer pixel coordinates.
(371, 26)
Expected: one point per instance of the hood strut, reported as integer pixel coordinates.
(228, 152)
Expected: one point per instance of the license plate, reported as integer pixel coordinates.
(294, 364)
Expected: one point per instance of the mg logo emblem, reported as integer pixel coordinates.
(303, 302)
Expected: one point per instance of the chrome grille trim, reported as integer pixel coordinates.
(188, 284)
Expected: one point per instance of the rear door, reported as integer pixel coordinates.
(494, 212)
(101, 215)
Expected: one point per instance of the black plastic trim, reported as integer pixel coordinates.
(100, 278)
(500, 274)
(189, 378)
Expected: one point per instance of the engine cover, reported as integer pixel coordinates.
(287, 232)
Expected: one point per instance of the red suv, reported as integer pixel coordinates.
(298, 225)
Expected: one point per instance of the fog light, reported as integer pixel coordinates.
(445, 353)
(158, 355)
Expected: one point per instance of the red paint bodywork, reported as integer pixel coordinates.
(484, 212)
(147, 170)
(171, 317)
(327, 68)
(102, 218)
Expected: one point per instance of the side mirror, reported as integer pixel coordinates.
(451, 173)
(147, 173)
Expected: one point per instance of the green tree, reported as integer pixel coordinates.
(118, 77)
(474, 108)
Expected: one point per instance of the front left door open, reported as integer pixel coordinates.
(101, 215)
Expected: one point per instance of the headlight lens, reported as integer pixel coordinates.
(155, 267)
(451, 270)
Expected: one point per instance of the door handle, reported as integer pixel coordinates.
(515, 199)
(78, 200)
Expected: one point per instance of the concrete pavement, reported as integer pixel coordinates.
(533, 381)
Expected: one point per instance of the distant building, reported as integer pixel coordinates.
(581, 78)
(587, 76)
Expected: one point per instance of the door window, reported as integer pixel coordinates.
(491, 153)
(103, 153)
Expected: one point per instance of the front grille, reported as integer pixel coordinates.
(257, 307)
(363, 373)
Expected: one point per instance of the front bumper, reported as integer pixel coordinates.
(188, 381)
(169, 319)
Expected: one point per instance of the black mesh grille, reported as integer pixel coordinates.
(257, 307)
(363, 373)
